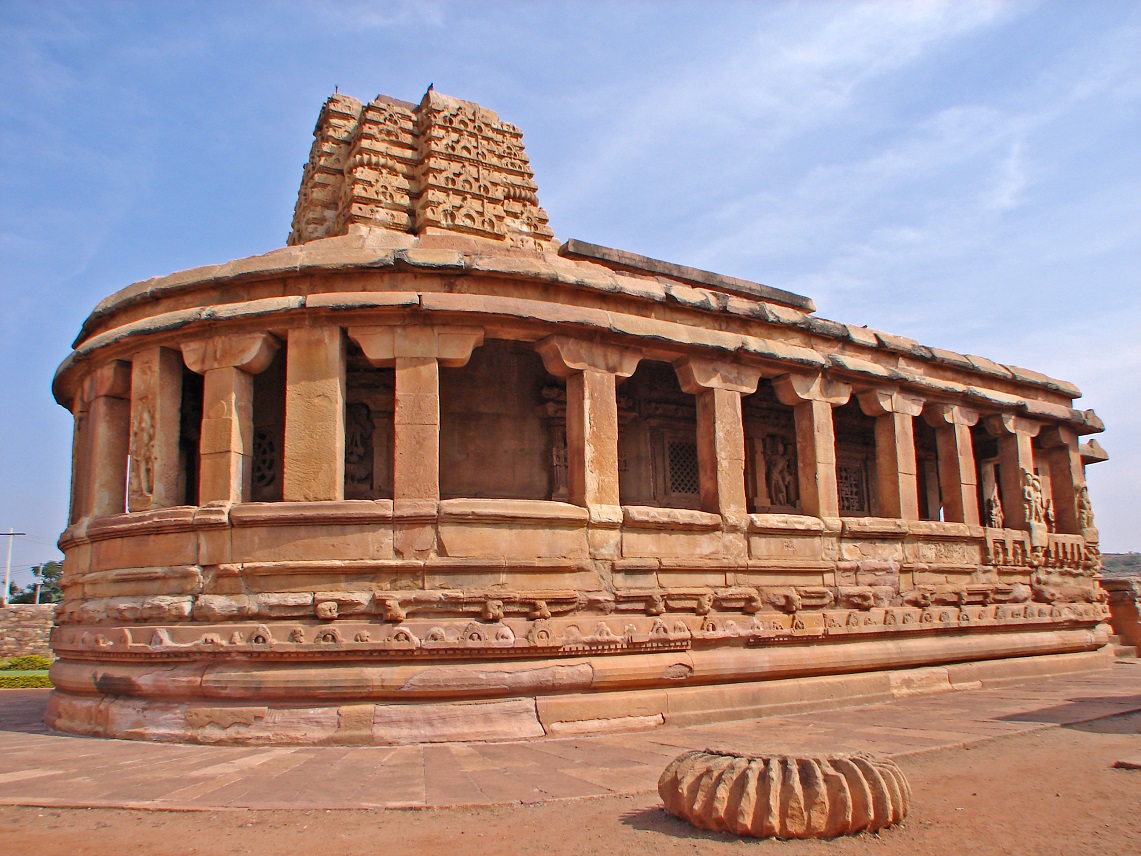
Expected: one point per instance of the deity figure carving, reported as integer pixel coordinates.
(780, 471)
(358, 449)
(142, 461)
(1085, 509)
(994, 516)
(1037, 509)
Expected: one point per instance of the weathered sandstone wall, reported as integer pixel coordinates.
(24, 629)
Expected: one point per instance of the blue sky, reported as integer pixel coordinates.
(966, 173)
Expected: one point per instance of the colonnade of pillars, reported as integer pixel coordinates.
(130, 410)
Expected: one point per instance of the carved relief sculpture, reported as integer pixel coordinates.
(780, 471)
(358, 451)
(1036, 508)
(994, 515)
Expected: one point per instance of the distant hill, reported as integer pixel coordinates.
(1117, 564)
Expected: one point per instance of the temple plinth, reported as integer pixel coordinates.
(427, 474)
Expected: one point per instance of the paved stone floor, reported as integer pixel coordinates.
(45, 768)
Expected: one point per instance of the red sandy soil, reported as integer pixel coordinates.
(1050, 792)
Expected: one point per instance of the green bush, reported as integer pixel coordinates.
(26, 663)
(11, 682)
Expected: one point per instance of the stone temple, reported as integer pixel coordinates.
(427, 474)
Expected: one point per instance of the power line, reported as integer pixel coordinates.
(8, 565)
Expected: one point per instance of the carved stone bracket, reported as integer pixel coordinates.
(695, 374)
(450, 346)
(880, 402)
(111, 380)
(940, 415)
(563, 356)
(792, 389)
(251, 353)
(1007, 423)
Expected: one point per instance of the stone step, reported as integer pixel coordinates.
(1125, 652)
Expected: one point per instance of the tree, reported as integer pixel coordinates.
(47, 575)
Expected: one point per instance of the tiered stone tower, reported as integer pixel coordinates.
(445, 166)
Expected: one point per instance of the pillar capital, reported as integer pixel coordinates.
(795, 388)
(698, 373)
(1057, 436)
(384, 345)
(943, 415)
(110, 380)
(1007, 423)
(249, 352)
(880, 402)
(563, 356)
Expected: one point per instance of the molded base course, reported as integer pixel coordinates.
(528, 718)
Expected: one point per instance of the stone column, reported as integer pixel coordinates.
(108, 394)
(156, 414)
(416, 353)
(80, 457)
(720, 430)
(1060, 444)
(227, 364)
(812, 398)
(1015, 456)
(591, 370)
(313, 461)
(896, 480)
(956, 453)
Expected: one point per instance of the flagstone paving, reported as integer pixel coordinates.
(46, 768)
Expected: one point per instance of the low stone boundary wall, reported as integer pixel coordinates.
(1124, 594)
(25, 628)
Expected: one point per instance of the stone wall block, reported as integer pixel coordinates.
(314, 457)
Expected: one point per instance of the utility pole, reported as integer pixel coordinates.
(8, 567)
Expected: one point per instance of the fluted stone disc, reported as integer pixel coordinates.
(781, 796)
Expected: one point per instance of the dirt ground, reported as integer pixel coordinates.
(1050, 792)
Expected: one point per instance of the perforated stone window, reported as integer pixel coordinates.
(852, 482)
(681, 459)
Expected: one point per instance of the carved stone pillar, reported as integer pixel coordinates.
(591, 371)
(1015, 457)
(896, 480)
(227, 364)
(812, 398)
(156, 413)
(80, 457)
(1067, 476)
(313, 466)
(720, 430)
(108, 395)
(417, 354)
(956, 453)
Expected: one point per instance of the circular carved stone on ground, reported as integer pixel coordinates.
(784, 797)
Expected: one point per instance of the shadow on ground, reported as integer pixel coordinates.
(657, 819)
(23, 711)
(1076, 711)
